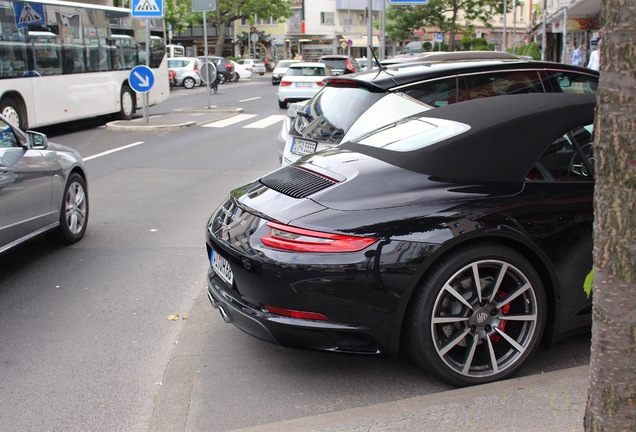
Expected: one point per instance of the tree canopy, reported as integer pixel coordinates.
(402, 21)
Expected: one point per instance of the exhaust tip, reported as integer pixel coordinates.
(224, 315)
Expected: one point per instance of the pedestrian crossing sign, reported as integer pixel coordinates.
(147, 9)
(28, 13)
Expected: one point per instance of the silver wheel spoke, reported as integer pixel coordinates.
(514, 294)
(477, 281)
(458, 296)
(451, 344)
(500, 276)
(468, 361)
(448, 320)
(492, 356)
(531, 317)
(511, 341)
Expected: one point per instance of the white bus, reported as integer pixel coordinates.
(63, 61)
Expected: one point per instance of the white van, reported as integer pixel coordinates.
(175, 51)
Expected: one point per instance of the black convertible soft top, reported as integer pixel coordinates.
(507, 135)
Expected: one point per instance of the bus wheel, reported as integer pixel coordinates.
(12, 111)
(127, 103)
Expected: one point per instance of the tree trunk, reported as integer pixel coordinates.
(611, 404)
(451, 36)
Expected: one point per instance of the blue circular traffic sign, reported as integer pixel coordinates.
(141, 79)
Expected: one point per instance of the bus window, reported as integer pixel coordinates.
(13, 59)
(47, 58)
(125, 52)
(73, 59)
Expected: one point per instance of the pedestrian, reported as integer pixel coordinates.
(595, 57)
(576, 56)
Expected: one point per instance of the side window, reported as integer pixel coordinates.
(499, 83)
(570, 82)
(435, 93)
(569, 158)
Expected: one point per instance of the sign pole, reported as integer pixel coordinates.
(205, 47)
(145, 109)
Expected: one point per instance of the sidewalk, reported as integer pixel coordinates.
(553, 401)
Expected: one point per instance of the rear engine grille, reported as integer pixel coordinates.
(296, 182)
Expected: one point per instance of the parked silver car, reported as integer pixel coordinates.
(187, 71)
(256, 65)
(42, 189)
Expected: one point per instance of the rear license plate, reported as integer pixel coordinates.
(222, 268)
(303, 147)
(304, 84)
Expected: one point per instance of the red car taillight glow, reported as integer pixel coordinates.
(320, 83)
(288, 238)
(296, 314)
(284, 83)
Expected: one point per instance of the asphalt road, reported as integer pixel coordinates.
(87, 340)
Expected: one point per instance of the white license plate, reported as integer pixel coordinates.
(303, 147)
(304, 84)
(222, 268)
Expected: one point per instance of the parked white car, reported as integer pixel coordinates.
(281, 69)
(241, 71)
(256, 65)
(302, 81)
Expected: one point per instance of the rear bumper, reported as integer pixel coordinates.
(291, 332)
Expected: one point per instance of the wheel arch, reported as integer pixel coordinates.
(506, 238)
(19, 99)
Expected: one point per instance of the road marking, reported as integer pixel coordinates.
(250, 99)
(95, 156)
(267, 121)
(229, 121)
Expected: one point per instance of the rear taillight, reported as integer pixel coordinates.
(288, 238)
(351, 69)
(196, 69)
(284, 83)
(320, 83)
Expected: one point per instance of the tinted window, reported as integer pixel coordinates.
(570, 82)
(499, 83)
(569, 158)
(435, 93)
(335, 63)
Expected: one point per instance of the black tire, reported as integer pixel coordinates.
(127, 103)
(189, 82)
(222, 78)
(282, 105)
(73, 212)
(12, 111)
(236, 78)
(462, 332)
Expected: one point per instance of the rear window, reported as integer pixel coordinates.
(335, 109)
(306, 71)
(335, 63)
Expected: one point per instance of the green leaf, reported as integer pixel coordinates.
(587, 285)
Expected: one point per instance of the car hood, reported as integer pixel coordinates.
(63, 149)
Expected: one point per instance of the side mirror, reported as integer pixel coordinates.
(36, 140)
(564, 81)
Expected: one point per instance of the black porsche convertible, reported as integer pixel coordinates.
(461, 236)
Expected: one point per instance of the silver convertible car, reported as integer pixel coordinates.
(42, 189)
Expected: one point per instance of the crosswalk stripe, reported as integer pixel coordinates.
(230, 121)
(267, 121)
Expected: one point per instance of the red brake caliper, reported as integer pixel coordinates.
(502, 324)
